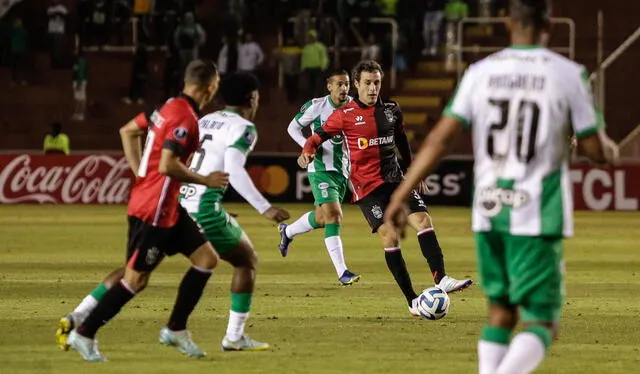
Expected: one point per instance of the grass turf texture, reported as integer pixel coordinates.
(52, 256)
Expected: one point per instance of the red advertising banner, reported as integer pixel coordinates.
(106, 179)
(606, 189)
(75, 179)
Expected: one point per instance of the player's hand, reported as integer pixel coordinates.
(423, 188)
(397, 215)
(276, 214)
(305, 159)
(217, 179)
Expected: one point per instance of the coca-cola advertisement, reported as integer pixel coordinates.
(76, 179)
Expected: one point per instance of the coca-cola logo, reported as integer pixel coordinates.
(92, 179)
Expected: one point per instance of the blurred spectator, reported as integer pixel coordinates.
(434, 12)
(57, 14)
(189, 37)
(288, 56)
(99, 26)
(80, 71)
(455, 10)
(172, 73)
(121, 17)
(229, 54)
(250, 54)
(139, 75)
(18, 52)
(387, 7)
(56, 142)
(371, 49)
(83, 21)
(314, 62)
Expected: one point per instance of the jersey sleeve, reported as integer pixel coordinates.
(243, 138)
(143, 120)
(307, 114)
(333, 126)
(585, 118)
(459, 106)
(180, 135)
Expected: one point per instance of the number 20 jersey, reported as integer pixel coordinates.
(521, 105)
(218, 132)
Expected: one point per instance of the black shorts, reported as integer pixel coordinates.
(374, 204)
(147, 244)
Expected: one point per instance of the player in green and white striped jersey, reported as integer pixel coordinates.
(227, 137)
(520, 104)
(328, 176)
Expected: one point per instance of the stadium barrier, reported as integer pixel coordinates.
(106, 179)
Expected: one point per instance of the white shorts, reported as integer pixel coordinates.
(80, 91)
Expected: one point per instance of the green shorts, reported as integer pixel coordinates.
(523, 270)
(222, 230)
(327, 186)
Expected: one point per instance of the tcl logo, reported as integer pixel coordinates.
(597, 189)
(364, 143)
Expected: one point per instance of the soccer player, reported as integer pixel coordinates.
(158, 226)
(520, 104)
(227, 137)
(373, 131)
(328, 176)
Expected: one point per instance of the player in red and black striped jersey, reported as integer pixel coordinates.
(373, 132)
(158, 225)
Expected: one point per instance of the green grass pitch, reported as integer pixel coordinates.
(51, 256)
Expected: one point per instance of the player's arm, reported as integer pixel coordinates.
(588, 124)
(235, 158)
(130, 135)
(332, 127)
(175, 144)
(402, 141)
(303, 119)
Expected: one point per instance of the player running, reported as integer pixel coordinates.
(520, 104)
(227, 137)
(373, 130)
(158, 226)
(328, 176)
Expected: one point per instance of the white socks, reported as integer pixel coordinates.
(490, 355)
(82, 311)
(526, 352)
(235, 329)
(300, 226)
(334, 247)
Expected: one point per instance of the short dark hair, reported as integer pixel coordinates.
(368, 66)
(200, 72)
(336, 73)
(236, 88)
(531, 13)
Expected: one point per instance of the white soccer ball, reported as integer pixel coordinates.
(433, 303)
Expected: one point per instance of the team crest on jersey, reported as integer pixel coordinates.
(491, 200)
(152, 255)
(180, 133)
(376, 211)
(389, 115)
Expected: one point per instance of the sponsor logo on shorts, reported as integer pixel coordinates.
(491, 200)
(364, 143)
(187, 191)
(152, 255)
(376, 211)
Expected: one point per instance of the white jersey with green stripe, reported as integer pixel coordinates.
(522, 104)
(331, 156)
(219, 131)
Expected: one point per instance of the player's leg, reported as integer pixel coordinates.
(536, 284)
(373, 207)
(309, 221)
(244, 261)
(75, 318)
(332, 213)
(420, 220)
(187, 238)
(496, 333)
(319, 182)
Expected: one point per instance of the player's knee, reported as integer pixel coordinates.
(388, 235)
(420, 221)
(333, 216)
(205, 257)
(505, 316)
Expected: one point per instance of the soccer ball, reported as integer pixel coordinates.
(433, 303)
